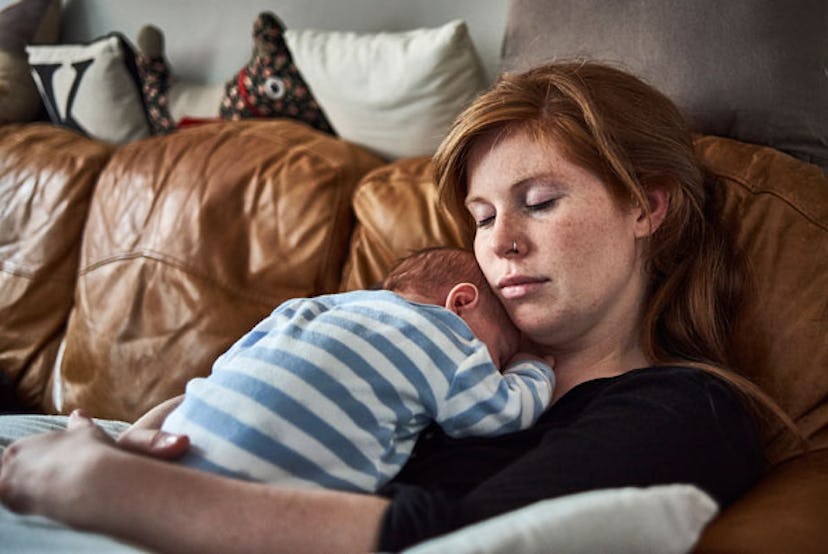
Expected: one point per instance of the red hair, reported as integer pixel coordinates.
(635, 139)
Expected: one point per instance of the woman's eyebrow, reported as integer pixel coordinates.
(473, 200)
(543, 178)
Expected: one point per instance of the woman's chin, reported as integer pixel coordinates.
(540, 326)
(531, 327)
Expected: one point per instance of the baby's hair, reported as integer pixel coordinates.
(431, 273)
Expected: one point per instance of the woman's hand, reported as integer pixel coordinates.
(44, 473)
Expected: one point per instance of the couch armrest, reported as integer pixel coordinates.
(785, 512)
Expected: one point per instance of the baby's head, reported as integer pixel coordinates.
(450, 277)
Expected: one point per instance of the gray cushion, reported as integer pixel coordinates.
(752, 70)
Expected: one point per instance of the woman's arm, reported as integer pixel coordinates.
(80, 477)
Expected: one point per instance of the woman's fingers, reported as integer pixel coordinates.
(150, 442)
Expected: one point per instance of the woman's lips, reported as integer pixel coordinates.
(515, 287)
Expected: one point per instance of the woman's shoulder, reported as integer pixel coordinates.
(680, 392)
(672, 408)
(670, 378)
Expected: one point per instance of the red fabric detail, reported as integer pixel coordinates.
(193, 121)
(244, 95)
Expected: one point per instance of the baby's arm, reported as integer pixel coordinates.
(521, 357)
(482, 401)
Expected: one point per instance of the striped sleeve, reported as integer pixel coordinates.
(483, 402)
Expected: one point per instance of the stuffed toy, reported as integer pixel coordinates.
(271, 85)
(171, 103)
(155, 75)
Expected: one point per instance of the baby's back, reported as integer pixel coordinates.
(328, 391)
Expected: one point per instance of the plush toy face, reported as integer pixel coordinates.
(271, 85)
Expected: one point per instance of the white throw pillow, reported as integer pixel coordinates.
(662, 519)
(92, 88)
(394, 93)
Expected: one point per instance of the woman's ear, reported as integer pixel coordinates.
(462, 297)
(647, 223)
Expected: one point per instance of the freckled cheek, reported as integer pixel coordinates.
(485, 259)
(585, 248)
(605, 253)
(571, 240)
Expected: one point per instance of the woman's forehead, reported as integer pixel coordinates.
(510, 160)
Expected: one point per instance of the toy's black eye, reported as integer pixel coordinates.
(274, 88)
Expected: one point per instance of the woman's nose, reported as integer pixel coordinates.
(505, 241)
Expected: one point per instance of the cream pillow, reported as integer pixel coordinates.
(666, 519)
(194, 100)
(394, 93)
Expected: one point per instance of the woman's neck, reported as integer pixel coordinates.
(574, 368)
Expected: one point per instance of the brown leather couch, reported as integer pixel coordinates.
(126, 270)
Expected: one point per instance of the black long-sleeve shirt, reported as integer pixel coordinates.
(649, 426)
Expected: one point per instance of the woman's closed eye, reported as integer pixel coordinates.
(483, 215)
(541, 206)
(483, 222)
(538, 196)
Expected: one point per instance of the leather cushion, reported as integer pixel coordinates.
(397, 213)
(777, 208)
(192, 238)
(47, 175)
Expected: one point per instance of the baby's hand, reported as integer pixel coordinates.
(146, 437)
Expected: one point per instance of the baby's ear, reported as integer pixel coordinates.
(462, 297)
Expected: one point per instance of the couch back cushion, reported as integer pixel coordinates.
(397, 213)
(191, 239)
(776, 208)
(47, 175)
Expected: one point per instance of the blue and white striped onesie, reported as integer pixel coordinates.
(332, 391)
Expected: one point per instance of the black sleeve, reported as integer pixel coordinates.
(652, 426)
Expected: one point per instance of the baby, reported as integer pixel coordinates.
(332, 391)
